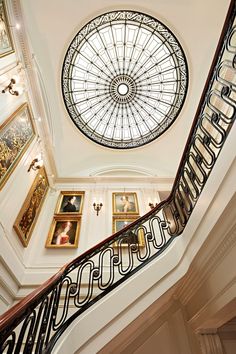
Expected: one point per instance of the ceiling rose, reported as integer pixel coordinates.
(124, 79)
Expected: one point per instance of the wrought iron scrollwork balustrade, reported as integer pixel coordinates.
(35, 324)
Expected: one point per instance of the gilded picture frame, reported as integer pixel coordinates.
(70, 202)
(30, 210)
(125, 203)
(64, 232)
(118, 223)
(6, 43)
(16, 134)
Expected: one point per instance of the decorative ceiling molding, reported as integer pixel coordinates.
(117, 179)
(119, 170)
(21, 36)
(36, 97)
(124, 79)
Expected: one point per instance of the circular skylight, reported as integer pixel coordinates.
(124, 79)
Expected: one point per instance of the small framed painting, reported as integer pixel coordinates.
(125, 203)
(6, 44)
(28, 215)
(70, 202)
(64, 232)
(129, 238)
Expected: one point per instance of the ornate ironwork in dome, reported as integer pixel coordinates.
(124, 79)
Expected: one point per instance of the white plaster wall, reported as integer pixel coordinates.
(93, 228)
(164, 328)
(161, 337)
(29, 267)
(14, 191)
(227, 335)
(25, 268)
(171, 337)
(22, 268)
(229, 346)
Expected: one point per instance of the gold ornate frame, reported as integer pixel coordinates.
(3, 12)
(76, 224)
(64, 194)
(129, 220)
(117, 210)
(8, 152)
(28, 215)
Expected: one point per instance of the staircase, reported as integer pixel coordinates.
(41, 322)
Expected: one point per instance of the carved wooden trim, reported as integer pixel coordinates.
(210, 343)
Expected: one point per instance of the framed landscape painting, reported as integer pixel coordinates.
(6, 44)
(28, 215)
(131, 238)
(125, 203)
(64, 232)
(16, 133)
(70, 202)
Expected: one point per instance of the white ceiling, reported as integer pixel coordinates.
(51, 25)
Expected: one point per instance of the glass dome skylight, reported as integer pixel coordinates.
(124, 79)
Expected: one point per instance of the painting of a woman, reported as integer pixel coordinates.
(64, 232)
(61, 235)
(125, 203)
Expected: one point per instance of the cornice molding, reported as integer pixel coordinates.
(116, 179)
(36, 97)
(210, 343)
(21, 37)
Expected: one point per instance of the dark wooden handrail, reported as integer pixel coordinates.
(16, 311)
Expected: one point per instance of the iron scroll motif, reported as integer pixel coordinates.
(105, 267)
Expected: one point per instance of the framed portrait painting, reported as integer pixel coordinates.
(28, 215)
(16, 133)
(125, 203)
(131, 237)
(70, 202)
(64, 232)
(6, 44)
